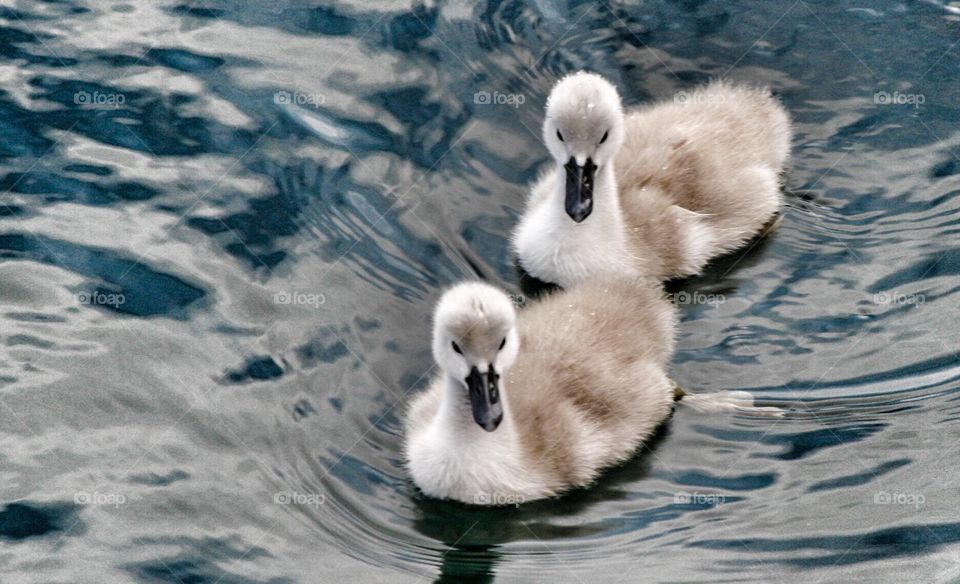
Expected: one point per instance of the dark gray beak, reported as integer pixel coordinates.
(579, 189)
(485, 398)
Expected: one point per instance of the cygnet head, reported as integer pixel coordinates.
(475, 341)
(583, 130)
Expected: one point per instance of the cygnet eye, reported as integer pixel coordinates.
(604, 139)
(559, 135)
(502, 344)
(456, 348)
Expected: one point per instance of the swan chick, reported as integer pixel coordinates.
(656, 191)
(528, 405)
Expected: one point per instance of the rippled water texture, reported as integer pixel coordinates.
(224, 225)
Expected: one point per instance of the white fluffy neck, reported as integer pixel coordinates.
(455, 458)
(556, 249)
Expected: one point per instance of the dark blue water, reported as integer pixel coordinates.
(224, 226)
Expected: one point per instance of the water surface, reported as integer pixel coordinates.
(223, 227)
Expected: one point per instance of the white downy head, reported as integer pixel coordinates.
(583, 129)
(475, 342)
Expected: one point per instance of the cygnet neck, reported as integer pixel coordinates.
(606, 202)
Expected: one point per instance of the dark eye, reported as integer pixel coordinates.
(502, 343)
(456, 348)
(559, 135)
(604, 139)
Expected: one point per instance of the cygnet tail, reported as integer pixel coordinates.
(698, 242)
(723, 401)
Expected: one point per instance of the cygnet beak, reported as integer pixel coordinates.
(579, 200)
(485, 398)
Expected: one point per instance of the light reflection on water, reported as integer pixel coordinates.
(279, 192)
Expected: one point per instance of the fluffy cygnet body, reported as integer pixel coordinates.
(658, 191)
(529, 405)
